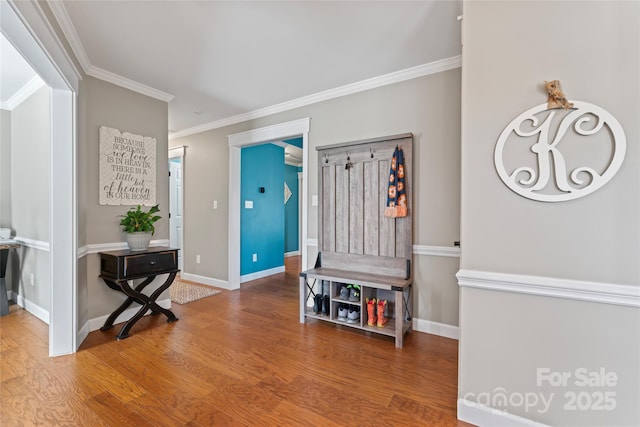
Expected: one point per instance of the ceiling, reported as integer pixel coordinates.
(16, 75)
(214, 60)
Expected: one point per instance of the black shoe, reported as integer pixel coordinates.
(317, 303)
(325, 305)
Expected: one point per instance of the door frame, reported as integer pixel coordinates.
(25, 26)
(257, 136)
(175, 153)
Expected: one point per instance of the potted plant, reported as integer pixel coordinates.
(137, 224)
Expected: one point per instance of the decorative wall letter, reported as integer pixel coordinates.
(127, 168)
(557, 171)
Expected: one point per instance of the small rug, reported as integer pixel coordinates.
(183, 292)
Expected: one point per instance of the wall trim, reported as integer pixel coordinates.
(31, 243)
(207, 281)
(36, 23)
(607, 293)
(292, 253)
(82, 334)
(435, 328)
(481, 415)
(124, 82)
(95, 248)
(260, 274)
(349, 89)
(97, 322)
(23, 93)
(446, 251)
(30, 306)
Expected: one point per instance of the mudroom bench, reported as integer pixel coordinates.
(380, 278)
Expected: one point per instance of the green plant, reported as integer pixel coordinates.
(137, 220)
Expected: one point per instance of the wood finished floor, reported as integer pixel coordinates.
(240, 358)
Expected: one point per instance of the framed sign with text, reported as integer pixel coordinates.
(127, 168)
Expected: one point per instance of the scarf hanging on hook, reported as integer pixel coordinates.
(396, 194)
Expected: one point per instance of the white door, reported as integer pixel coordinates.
(175, 206)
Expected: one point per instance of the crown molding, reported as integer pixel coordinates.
(64, 20)
(124, 82)
(372, 83)
(25, 92)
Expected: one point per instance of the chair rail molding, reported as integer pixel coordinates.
(607, 293)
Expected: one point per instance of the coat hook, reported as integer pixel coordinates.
(349, 164)
(326, 159)
(371, 151)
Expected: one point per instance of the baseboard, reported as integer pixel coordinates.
(31, 307)
(97, 322)
(435, 328)
(292, 253)
(82, 334)
(206, 280)
(481, 416)
(261, 274)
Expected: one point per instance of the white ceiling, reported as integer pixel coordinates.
(220, 59)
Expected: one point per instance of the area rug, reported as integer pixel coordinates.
(183, 292)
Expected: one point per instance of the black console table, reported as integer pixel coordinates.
(5, 246)
(118, 267)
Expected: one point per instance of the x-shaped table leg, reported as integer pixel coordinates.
(146, 302)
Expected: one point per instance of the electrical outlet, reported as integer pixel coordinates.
(255, 257)
(215, 204)
(197, 259)
(32, 279)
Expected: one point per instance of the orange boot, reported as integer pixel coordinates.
(381, 319)
(371, 311)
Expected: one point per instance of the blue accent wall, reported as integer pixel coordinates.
(262, 228)
(291, 239)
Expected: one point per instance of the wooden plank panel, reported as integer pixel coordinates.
(328, 208)
(342, 209)
(387, 226)
(356, 208)
(371, 208)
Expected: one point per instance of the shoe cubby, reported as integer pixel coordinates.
(352, 310)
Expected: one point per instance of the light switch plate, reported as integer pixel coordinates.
(248, 204)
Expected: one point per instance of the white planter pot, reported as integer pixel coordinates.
(139, 241)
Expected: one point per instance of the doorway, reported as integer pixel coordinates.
(281, 131)
(54, 66)
(176, 204)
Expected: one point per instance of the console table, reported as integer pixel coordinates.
(5, 246)
(118, 267)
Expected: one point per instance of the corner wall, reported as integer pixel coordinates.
(101, 105)
(538, 279)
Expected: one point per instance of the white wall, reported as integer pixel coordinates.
(5, 168)
(30, 201)
(509, 49)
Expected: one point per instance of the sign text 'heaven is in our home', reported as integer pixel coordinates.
(127, 168)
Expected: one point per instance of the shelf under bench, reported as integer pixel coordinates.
(400, 287)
